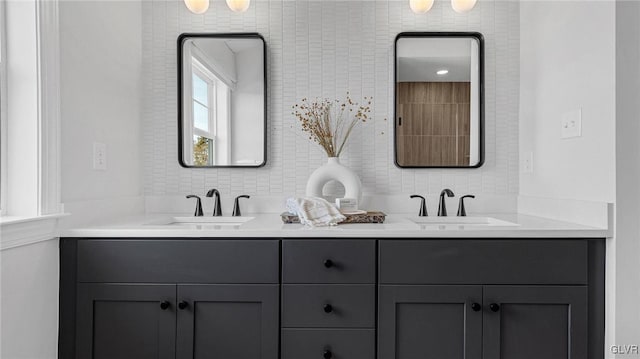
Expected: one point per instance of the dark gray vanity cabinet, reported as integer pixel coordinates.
(332, 298)
(126, 321)
(490, 299)
(165, 299)
(429, 322)
(328, 299)
(532, 322)
(227, 321)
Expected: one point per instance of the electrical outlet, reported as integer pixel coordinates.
(572, 124)
(99, 156)
(527, 162)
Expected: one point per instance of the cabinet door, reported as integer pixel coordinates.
(533, 322)
(422, 322)
(119, 321)
(228, 322)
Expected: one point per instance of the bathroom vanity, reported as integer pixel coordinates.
(333, 293)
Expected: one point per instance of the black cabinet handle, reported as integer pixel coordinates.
(328, 263)
(327, 354)
(328, 308)
(183, 305)
(494, 307)
(164, 305)
(476, 307)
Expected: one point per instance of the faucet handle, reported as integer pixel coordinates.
(198, 212)
(423, 205)
(462, 212)
(236, 205)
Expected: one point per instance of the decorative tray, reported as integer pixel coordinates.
(368, 217)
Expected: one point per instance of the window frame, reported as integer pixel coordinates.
(212, 107)
(31, 202)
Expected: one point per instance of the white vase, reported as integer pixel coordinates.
(335, 171)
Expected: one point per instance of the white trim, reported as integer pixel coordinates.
(32, 168)
(3, 111)
(49, 93)
(24, 231)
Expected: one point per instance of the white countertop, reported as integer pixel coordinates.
(396, 226)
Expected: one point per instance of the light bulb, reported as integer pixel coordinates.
(197, 6)
(420, 6)
(462, 6)
(238, 5)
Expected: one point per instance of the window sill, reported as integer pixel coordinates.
(21, 231)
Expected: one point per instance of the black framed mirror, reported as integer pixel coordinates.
(439, 100)
(222, 100)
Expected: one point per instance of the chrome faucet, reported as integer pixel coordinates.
(442, 206)
(217, 207)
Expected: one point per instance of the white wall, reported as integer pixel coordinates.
(247, 108)
(627, 245)
(324, 48)
(100, 50)
(29, 277)
(567, 62)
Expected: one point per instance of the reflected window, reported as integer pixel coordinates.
(202, 151)
(209, 112)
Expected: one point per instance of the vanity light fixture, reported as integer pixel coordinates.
(442, 72)
(238, 5)
(420, 6)
(462, 6)
(197, 6)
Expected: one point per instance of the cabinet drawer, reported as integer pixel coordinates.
(483, 262)
(351, 306)
(328, 261)
(178, 261)
(341, 343)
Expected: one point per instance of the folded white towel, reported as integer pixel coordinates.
(315, 211)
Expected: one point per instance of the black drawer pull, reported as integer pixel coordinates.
(328, 308)
(164, 305)
(494, 307)
(476, 307)
(183, 305)
(328, 263)
(327, 354)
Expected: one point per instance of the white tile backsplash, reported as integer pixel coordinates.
(324, 48)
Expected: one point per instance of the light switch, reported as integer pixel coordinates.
(572, 124)
(99, 156)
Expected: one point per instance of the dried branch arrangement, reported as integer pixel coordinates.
(330, 123)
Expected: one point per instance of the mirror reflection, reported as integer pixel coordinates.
(439, 104)
(222, 100)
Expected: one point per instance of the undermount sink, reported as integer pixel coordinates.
(459, 221)
(215, 221)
